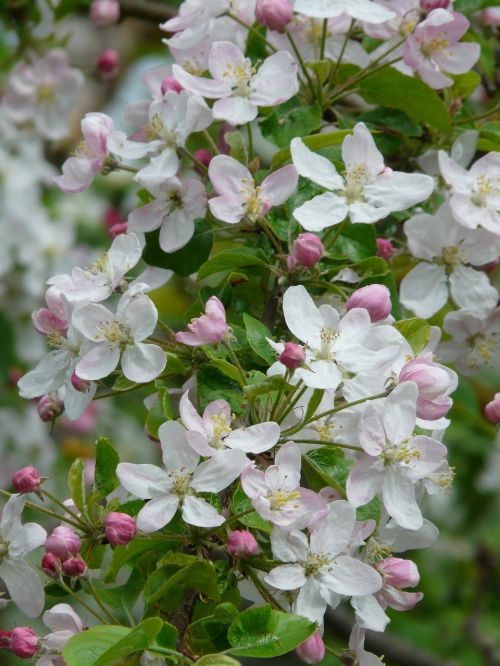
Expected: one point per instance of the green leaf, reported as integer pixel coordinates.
(137, 640)
(357, 242)
(465, 84)
(489, 137)
(123, 384)
(263, 632)
(199, 575)
(393, 119)
(230, 259)
(267, 385)
(238, 147)
(188, 259)
(326, 466)
(228, 369)
(213, 385)
(314, 142)
(85, 648)
(390, 88)
(105, 479)
(217, 660)
(242, 503)
(471, 6)
(76, 483)
(416, 331)
(257, 332)
(290, 120)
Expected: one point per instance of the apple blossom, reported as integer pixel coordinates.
(394, 459)
(492, 409)
(429, 5)
(435, 382)
(424, 290)
(120, 335)
(208, 329)
(174, 209)
(292, 356)
(236, 87)
(63, 542)
(365, 10)
(276, 494)
(64, 623)
(193, 22)
(239, 196)
(43, 91)
(385, 248)
(51, 565)
(74, 566)
(433, 48)
(16, 541)
(104, 12)
(369, 192)
(178, 484)
(320, 567)
(108, 64)
(475, 199)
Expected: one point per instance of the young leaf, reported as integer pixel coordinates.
(188, 259)
(199, 575)
(416, 331)
(76, 483)
(290, 120)
(105, 479)
(217, 660)
(85, 648)
(230, 259)
(257, 332)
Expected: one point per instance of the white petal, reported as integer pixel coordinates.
(62, 617)
(190, 417)
(471, 290)
(24, 586)
(47, 376)
(141, 362)
(302, 316)
(322, 211)
(315, 167)
(424, 290)
(176, 451)
(254, 439)
(157, 513)
(235, 110)
(351, 577)
(26, 539)
(196, 511)
(369, 613)
(333, 534)
(365, 480)
(91, 319)
(399, 413)
(97, 363)
(398, 494)
(286, 577)
(398, 191)
(359, 149)
(217, 473)
(289, 546)
(310, 603)
(144, 481)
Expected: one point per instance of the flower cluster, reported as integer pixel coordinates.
(299, 399)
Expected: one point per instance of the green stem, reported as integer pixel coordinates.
(472, 119)
(65, 587)
(323, 39)
(211, 143)
(48, 512)
(342, 51)
(61, 505)
(269, 233)
(109, 394)
(234, 359)
(301, 62)
(236, 518)
(264, 593)
(250, 141)
(172, 653)
(320, 443)
(331, 242)
(292, 404)
(363, 75)
(190, 155)
(251, 29)
(278, 397)
(95, 596)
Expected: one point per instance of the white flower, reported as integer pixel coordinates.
(320, 568)
(364, 10)
(120, 335)
(476, 340)
(193, 22)
(475, 194)
(179, 484)
(424, 290)
(64, 623)
(395, 459)
(334, 344)
(16, 541)
(174, 209)
(276, 494)
(238, 89)
(369, 192)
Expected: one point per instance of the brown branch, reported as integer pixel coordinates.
(149, 11)
(395, 651)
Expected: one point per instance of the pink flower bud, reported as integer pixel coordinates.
(292, 356)
(5, 639)
(74, 566)
(312, 650)
(26, 480)
(492, 409)
(203, 156)
(63, 542)
(46, 322)
(118, 229)
(79, 384)
(119, 528)
(385, 248)
(375, 298)
(429, 5)
(307, 249)
(434, 384)
(113, 216)
(104, 12)
(170, 83)
(275, 14)
(51, 564)
(242, 543)
(108, 64)
(49, 407)
(491, 16)
(207, 329)
(23, 642)
(399, 573)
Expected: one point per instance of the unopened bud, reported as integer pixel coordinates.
(203, 156)
(49, 407)
(429, 5)
(275, 14)
(104, 12)
(492, 409)
(118, 229)
(5, 639)
(119, 528)
(307, 249)
(23, 642)
(51, 564)
(242, 543)
(398, 572)
(292, 356)
(108, 64)
(375, 298)
(79, 384)
(74, 566)
(26, 480)
(385, 248)
(170, 83)
(312, 650)
(46, 322)
(491, 16)
(63, 542)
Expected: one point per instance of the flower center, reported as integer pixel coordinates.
(280, 498)
(45, 93)
(400, 454)
(221, 428)
(443, 479)
(325, 431)
(356, 178)
(241, 75)
(482, 348)
(435, 45)
(56, 340)
(328, 337)
(375, 550)
(314, 563)
(117, 335)
(251, 195)
(314, 32)
(483, 188)
(453, 255)
(408, 23)
(4, 549)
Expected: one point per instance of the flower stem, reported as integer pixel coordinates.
(193, 159)
(48, 512)
(251, 29)
(250, 141)
(61, 505)
(323, 39)
(211, 142)
(95, 596)
(67, 589)
(342, 51)
(264, 593)
(234, 359)
(301, 62)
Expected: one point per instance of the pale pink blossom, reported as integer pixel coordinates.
(239, 90)
(435, 382)
(104, 12)
(364, 10)
(433, 48)
(208, 329)
(64, 623)
(108, 64)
